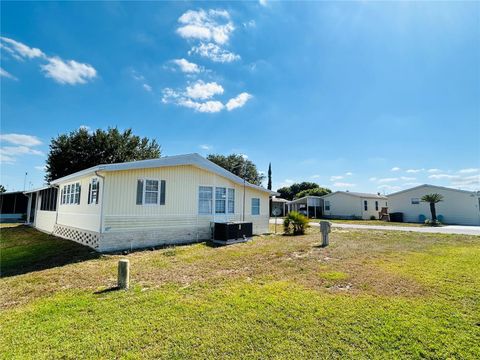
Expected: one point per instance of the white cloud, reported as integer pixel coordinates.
(442, 176)
(263, 2)
(68, 72)
(411, 184)
(187, 66)
(469, 171)
(147, 87)
(214, 53)
(6, 74)
(432, 171)
(344, 184)
(21, 50)
(41, 167)
(348, 174)
(64, 72)
(238, 101)
(20, 139)
(471, 182)
(211, 25)
(414, 171)
(205, 107)
(385, 180)
(396, 168)
(316, 176)
(206, 147)
(373, 178)
(407, 178)
(389, 187)
(19, 150)
(202, 91)
(335, 178)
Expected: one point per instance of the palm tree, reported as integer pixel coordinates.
(432, 199)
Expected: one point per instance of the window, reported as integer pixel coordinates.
(231, 201)
(415, 201)
(48, 199)
(376, 205)
(365, 205)
(71, 194)
(205, 198)
(327, 205)
(255, 206)
(220, 200)
(93, 188)
(151, 192)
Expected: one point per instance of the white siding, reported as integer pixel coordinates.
(45, 220)
(457, 207)
(128, 224)
(81, 216)
(348, 206)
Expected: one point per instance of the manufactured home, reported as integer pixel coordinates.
(170, 200)
(353, 205)
(458, 206)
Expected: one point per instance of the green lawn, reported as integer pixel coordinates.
(370, 294)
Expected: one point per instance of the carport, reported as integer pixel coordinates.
(311, 206)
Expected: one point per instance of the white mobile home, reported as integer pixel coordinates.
(352, 205)
(458, 206)
(169, 200)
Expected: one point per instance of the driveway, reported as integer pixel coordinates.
(447, 229)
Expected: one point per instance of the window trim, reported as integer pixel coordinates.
(144, 191)
(212, 200)
(230, 190)
(252, 207)
(326, 205)
(376, 205)
(90, 193)
(415, 201)
(70, 194)
(365, 205)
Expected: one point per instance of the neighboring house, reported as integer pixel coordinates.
(352, 205)
(310, 206)
(279, 205)
(170, 200)
(13, 206)
(458, 206)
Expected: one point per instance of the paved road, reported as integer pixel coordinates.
(447, 229)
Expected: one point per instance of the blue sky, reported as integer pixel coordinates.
(352, 95)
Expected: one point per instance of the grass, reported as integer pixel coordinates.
(370, 294)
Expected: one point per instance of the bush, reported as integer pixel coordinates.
(429, 222)
(373, 217)
(295, 223)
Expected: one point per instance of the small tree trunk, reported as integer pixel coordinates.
(433, 211)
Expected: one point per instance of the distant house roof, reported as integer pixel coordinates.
(357, 194)
(277, 199)
(177, 160)
(37, 189)
(436, 187)
(305, 198)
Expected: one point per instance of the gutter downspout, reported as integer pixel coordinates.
(103, 200)
(58, 204)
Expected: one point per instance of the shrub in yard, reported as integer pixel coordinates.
(373, 217)
(295, 223)
(429, 222)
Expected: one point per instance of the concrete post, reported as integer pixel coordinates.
(123, 274)
(325, 228)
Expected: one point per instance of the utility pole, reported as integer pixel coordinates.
(25, 180)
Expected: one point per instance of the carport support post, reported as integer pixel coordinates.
(325, 230)
(123, 274)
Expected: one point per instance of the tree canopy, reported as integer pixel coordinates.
(298, 190)
(81, 149)
(240, 166)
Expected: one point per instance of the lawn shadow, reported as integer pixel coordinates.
(107, 290)
(24, 250)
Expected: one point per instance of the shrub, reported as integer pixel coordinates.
(429, 222)
(373, 217)
(295, 223)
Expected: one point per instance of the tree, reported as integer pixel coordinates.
(269, 185)
(240, 166)
(81, 149)
(432, 199)
(289, 192)
(295, 223)
(320, 191)
(2, 189)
